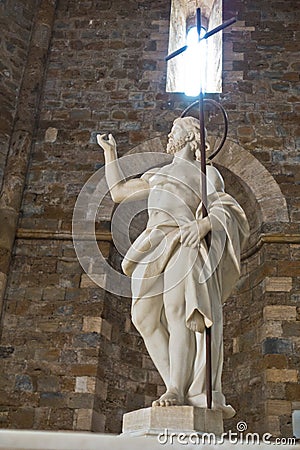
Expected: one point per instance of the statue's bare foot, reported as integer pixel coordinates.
(168, 399)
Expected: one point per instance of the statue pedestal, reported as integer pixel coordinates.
(172, 419)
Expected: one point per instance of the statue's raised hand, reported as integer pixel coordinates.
(109, 145)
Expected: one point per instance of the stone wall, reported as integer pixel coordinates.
(262, 343)
(260, 89)
(23, 127)
(16, 26)
(51, 354)
(71, 358)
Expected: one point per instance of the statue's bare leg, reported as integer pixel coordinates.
(146, 316)
(182, 344)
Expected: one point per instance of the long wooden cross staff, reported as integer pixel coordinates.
(203, 170)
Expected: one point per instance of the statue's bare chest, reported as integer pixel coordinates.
(183, 176)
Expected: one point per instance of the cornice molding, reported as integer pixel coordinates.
(270, 238)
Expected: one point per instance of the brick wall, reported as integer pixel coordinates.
(71, 358)
(261, 341)
(23, 128)
(261, 92)
(50, 352)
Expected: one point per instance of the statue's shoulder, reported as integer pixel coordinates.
(150, 173)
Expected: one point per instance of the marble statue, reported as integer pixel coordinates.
(178, 286)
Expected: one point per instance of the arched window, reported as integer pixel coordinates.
(200, 61)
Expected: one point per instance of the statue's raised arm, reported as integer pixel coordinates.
(119, 188)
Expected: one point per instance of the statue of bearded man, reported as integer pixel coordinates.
(178, 284)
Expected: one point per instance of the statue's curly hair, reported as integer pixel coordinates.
(191, 124)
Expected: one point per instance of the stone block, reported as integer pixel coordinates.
(51, 134)
(83, 419)
(98, 422)
(278, 407)
(106, 329)
(80, 400)
(272, 423)
(235, 345)
(276, 345)
(291, 328)
(22, 418)
(275, 391)
(3, 417)
(291, 268)
(92, 324)
(62, 416)
(48, 384)
(49, 327)
(23, 383)
(85, 384)
(53, 399)
(279, 312)
(97, 325)
(281, 375)
(84, 369)
(173, 418)
(3, 279)
(293, 391)
(34, 293)
(87, 282)
(54, 293)
(87, 339)
(101, 389)
(278, 284)
(271, 329)
(276, 361)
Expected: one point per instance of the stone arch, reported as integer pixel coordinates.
(246, 167)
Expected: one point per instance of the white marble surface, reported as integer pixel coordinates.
(51, 440)
(187, 418)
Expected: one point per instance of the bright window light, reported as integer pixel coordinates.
(195, 63)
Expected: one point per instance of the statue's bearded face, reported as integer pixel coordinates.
(182, 132)
(177, 139)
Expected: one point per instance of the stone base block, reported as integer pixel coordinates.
(188, 419)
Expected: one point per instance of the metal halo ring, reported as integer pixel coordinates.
(225, 117)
